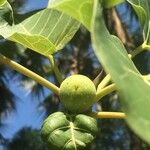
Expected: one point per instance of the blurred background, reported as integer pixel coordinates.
(24, 104)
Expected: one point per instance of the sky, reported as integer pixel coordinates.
(32, 4)
(27, 113)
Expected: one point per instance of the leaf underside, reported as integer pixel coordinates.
(78, 9)
(45, 31)
(65, 132)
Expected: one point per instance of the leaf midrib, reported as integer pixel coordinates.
(72, 135)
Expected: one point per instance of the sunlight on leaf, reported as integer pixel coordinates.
(78, 9)
(45, 32)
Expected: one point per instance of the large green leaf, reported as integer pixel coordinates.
(78, 9)
(135, 92)
(142, 9)
(45, 31)
(65, 132)
(111, 3)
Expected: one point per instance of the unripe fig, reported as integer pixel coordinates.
(77, 93)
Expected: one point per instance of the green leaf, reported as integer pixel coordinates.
(111, 3)
(142, 9)
(6, 13)
(66, 132)
(81, 10)
(2, 2)
(78, 9)
(134, 91)
(45, 31)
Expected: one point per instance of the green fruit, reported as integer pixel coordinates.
(66, 132)
(77, 93)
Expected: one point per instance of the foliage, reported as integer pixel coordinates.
(126, 78)
(126, 75)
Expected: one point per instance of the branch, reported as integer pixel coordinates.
(110, 115)
(29, 73)
(137, 51)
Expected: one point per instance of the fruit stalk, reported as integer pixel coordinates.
(55, 69)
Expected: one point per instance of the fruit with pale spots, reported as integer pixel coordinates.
(77, 93)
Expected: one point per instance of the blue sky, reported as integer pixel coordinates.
(27, 113)
(32, 4)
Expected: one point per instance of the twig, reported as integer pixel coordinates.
(103, 92)
(12, 64)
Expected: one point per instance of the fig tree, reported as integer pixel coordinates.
(77, 93)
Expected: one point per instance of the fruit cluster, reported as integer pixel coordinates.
(72, 130)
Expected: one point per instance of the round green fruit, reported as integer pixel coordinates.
(77, 93)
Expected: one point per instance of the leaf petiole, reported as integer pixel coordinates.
(137, 51)
(146, 47)
(108, 115)
(104, 82)
(103, 92)
(146, 77)
(55, 69)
